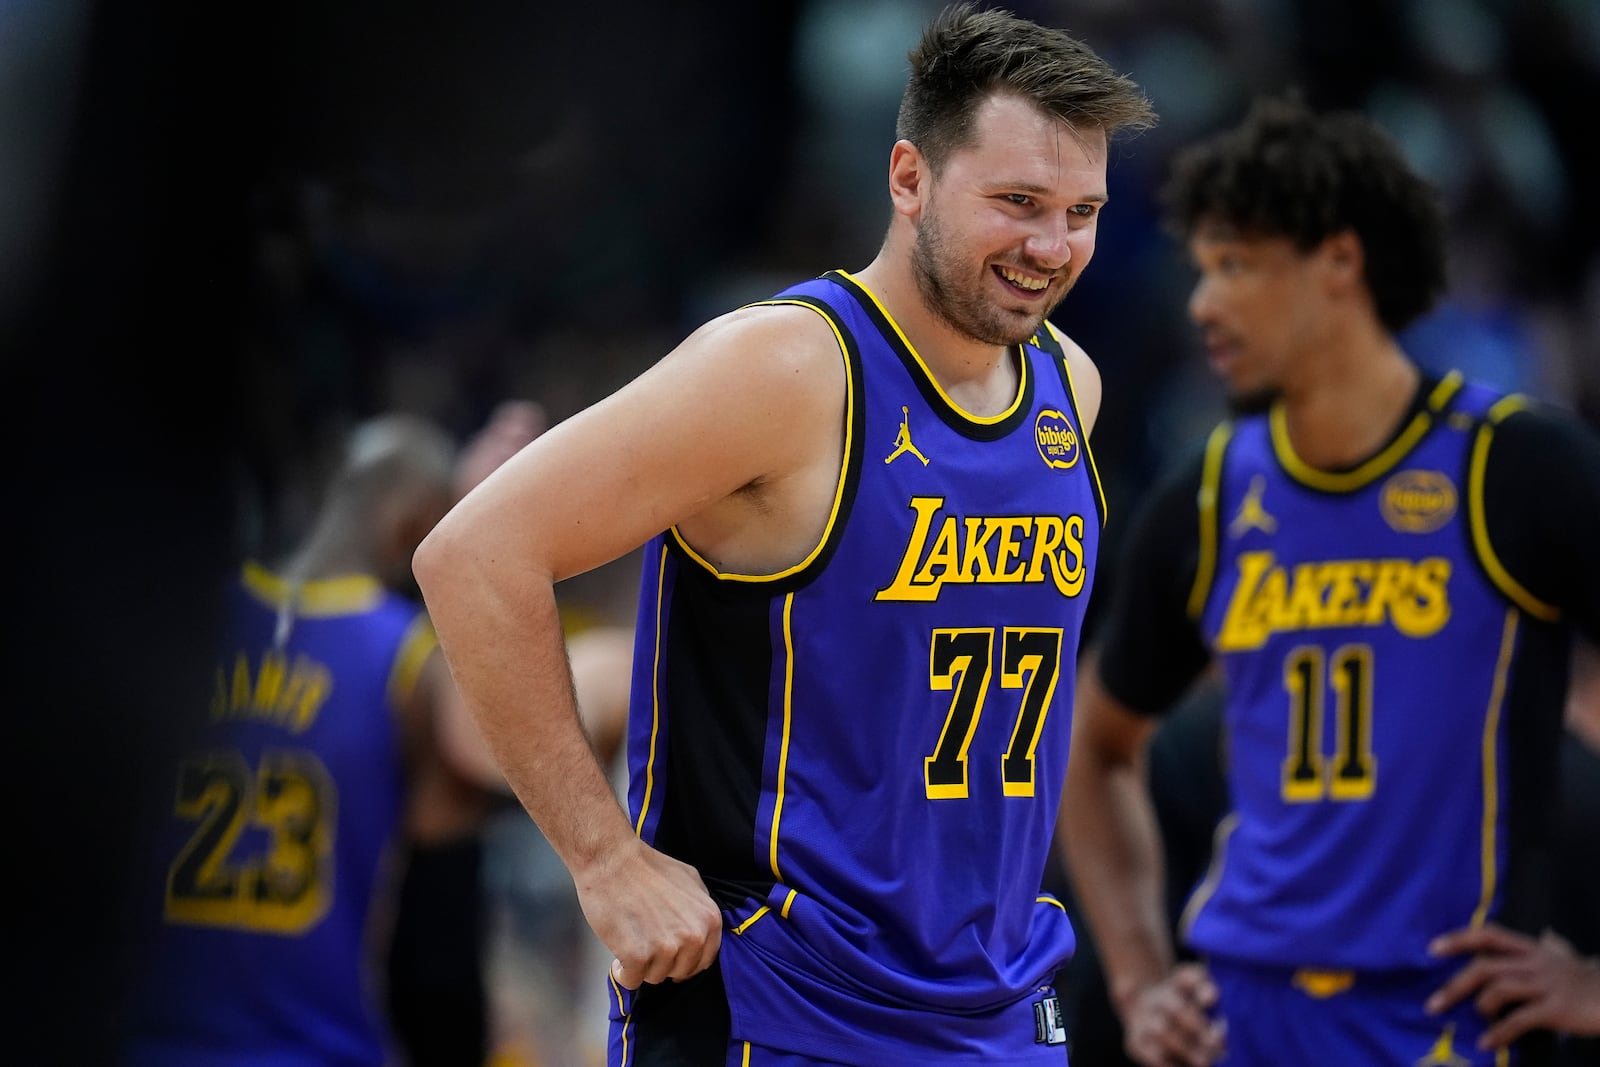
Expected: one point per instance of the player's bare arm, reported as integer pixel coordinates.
(602, 659)
(1112, 853)
(732, 436)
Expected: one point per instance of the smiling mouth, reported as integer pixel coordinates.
(1022, 282)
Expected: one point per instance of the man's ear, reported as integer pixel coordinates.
(1344, 260)
(909, 179)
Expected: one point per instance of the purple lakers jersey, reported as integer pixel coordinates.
(1366, 632)
(863, 754)
(283, 819)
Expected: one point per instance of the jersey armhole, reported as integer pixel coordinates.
(1051, 340)
(1207, 499)
(1477, 517)
(849, 467)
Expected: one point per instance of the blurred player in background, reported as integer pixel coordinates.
(335, 738)
(1389, 569)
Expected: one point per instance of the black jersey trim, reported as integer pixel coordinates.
(1206, 500)
(1477, 516)
(1050, 340)
(975, 427)
(1437, 405)
(800, 573)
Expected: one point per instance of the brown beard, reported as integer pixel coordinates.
(966, 314)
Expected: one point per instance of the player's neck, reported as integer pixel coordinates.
(979, 377)
(329, 551)
(1343, 412)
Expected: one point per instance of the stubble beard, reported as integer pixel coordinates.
(935, 266)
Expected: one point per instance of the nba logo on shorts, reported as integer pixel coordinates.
(1047, 1028)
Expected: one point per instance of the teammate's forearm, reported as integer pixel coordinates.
(1111, 843)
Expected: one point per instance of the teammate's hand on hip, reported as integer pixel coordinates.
(1520, 982)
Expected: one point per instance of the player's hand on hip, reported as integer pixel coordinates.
(1169, 1024)
(655, 914)
(1520, 982)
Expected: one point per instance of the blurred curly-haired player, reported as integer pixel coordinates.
(1389, 569)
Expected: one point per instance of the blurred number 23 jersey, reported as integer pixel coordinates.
(863, 754)
(285, 816)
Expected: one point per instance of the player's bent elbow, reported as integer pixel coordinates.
(434, 561)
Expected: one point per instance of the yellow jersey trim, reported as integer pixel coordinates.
(415, 647)
(1476, 517)
(1072, 388)
(844, 466)
(655, 703)
(627, 1016)
(783, 747)
(319, 598)
(1491, 765)
(981, 420)
(759, 912)
(1344, 481)
(1205, 570)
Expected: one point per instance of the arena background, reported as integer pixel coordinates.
(228, 230)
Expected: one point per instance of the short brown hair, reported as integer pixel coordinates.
(968, 54)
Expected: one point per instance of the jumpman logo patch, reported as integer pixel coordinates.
(1253, 515)
(1443, 1053)
(902, 441)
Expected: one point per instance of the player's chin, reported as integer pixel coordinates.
(1018, 324)
(1014, 334)
(1250, 399)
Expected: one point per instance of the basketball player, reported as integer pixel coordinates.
(858, 630)
(335, 737)
(1388, 569)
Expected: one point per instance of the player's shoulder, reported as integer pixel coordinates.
(1081, 370)
(1521, 430)
(767, 382)
(779, 337)
(1539, 423)
(1052, 338)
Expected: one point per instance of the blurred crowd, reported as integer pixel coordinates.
(225, 241)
